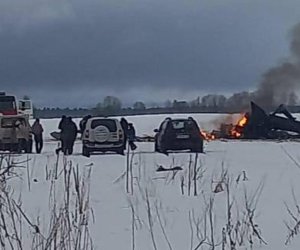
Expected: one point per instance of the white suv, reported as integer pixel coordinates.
(102, 135)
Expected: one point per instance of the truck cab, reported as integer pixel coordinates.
(8, 104)
(25, 107)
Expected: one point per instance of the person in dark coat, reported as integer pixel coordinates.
(124, 125)
(83, 122)
(62, 122)
(62, 128)
(37, 131)
(131, 136)
(69, 136)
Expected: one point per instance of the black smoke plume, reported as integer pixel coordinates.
(280, 84)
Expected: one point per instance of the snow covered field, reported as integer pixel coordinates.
(263, 173)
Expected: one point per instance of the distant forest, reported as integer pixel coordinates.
(112, 106)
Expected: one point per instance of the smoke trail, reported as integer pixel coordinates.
(279, 84)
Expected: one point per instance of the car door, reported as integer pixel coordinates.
(161, 132)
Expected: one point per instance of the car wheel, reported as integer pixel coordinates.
(85, 151)
(14, 148)
(163, 148)
(102, 133)
(28, 147)
(120, 151)
(21, 146)
(198, 148)
(156, 149)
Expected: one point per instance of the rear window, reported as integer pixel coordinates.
(183, 124)
(178, 124)
(10, 122)
(110, 124)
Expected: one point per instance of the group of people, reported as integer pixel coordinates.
(22, 132)
(68, 133)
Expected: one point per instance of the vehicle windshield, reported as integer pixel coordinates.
(110, 124)
(7, 103)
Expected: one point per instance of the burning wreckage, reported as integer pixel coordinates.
(257, 124)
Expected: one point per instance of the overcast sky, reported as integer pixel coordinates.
(74, 52)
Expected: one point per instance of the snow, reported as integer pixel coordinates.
(272, 163)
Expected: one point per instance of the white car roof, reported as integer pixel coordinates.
(103, 118)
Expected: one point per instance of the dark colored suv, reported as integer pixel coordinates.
(178, 134)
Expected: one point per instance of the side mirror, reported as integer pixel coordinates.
(155, 130)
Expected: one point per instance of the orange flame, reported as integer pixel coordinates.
(242, 122)
(207, 136)
(237, 129)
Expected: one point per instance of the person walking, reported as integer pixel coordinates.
(124, 125)
(69, 136)
(37, 131)
(62, 128)
(131, 136)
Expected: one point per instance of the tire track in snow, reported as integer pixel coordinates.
(290, 156)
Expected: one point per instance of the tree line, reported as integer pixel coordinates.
(112, 106)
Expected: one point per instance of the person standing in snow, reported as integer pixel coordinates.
(62, 122)
(22, 135)
(124, 125)
(83, 122)
(69, 136)
(62, 128)
(37, 131)
(131, 136)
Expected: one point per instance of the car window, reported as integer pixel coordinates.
(25, 104)
(183, 124)
(110, 124)
(178, 124)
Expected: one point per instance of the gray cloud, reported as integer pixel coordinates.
(75, 52)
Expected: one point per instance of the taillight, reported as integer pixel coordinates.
(120, 134)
